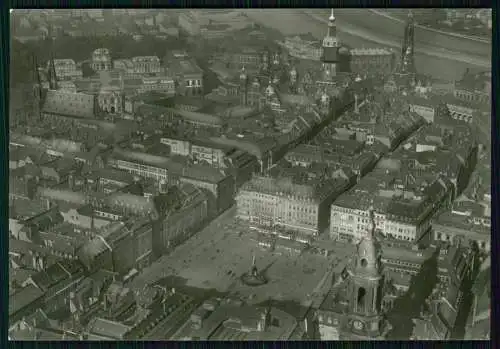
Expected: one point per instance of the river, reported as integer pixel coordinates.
(294, 21)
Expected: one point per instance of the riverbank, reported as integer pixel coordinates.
(401, 19)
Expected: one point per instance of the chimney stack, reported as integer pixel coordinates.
(356, 107)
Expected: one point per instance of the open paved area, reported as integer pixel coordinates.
(216, 257)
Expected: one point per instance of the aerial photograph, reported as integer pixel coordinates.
(250, 174)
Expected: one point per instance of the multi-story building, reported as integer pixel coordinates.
(56, 282)
(184, 216)
(285, 201)
(425, 107)
(217, 319)
(402, 261)
(187, 75)
(125, 66)
(66, 69)
(218, 184)
(460, 226)
(474, 88)
(119, 247)
(164, 85)
(146, 65)
(235, 58)
(199, 150)
(366, 61)
(59, 105)
(403, 219)
(101, 60)
(141, 164)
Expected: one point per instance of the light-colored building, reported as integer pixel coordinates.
(146, 64)
(66, 69)
(200, 151)
(424, 107)
(101, 60)
(463, 227)
(111, 100)
(283, 202)
(407, 219)
(475, 88)
(164, 85)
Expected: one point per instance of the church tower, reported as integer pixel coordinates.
(243, 87)
(408, 47)
(37, 90)
(330, 48)
(52, 75)
(365, 319)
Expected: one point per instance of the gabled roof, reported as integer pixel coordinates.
(107, 328)
(56, 273)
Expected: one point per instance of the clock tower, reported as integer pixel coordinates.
(364, 318)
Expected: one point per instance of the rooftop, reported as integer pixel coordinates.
(462, 222)
(23, 298)
(56, 273)
(184, 66)
(203, 173)
(107, 328)
(76, 104)
(370, 51)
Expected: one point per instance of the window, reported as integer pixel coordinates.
(361, 299)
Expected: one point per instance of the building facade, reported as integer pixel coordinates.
(66, 69)
(279, 202)
(146, 65)
(367, 61)
(101, 60)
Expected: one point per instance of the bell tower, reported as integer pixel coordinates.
(365, 319)
(330, 48)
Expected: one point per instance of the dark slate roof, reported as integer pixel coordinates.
(23, 298)
(56, 273)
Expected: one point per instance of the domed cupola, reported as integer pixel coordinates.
(330, 40)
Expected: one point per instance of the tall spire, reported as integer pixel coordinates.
(332, 25)
(407, 50)
(372, 225)
(36, 73)
(332, 18)
(52, 74)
